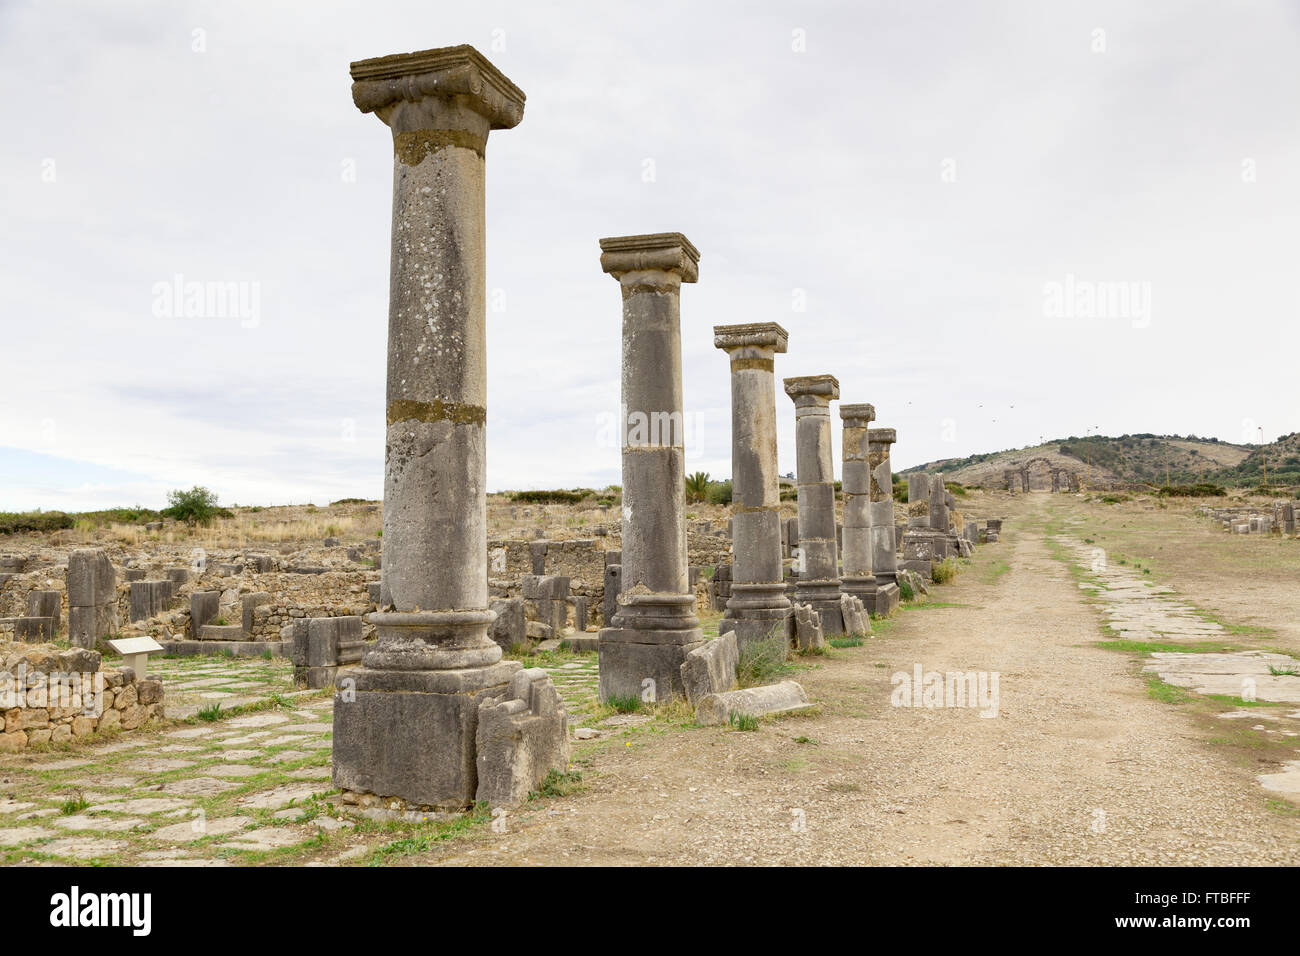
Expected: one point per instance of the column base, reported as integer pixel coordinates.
(879, 593)
(644, 663)
(409, 735)
(757, 612)
(749, 631)
(404, 727)
(824, 596)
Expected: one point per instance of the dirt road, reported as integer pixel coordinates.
(1080, 765)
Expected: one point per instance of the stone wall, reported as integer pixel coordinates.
(49, 695)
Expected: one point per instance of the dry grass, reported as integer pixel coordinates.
(247, 527)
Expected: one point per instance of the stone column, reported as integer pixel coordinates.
(884, 556)
(655, 626)
(819, 578)
(410, 732)
(938, 505)
(856, 577)
(758, 606)
(918, 500)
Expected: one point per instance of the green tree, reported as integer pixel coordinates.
(697, 486)
(197, 506)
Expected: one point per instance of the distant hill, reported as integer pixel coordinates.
(1131, 460)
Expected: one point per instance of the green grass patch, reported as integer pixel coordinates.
(739, 721)
(74, 805)
(762, 662)
(625, 704)
(1147, 648)
(1166, 693)
(558, 784)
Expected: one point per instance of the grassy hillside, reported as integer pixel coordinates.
(1133, 459)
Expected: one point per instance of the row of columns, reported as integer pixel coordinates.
(406, 730)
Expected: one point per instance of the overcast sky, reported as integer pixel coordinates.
(995, 221)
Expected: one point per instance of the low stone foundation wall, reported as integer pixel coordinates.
(48, 695)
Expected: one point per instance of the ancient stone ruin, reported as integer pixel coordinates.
(407, 734)
(643, 648)
(757, 606)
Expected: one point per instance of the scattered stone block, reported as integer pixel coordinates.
(522, 736)
(857, 619)
(711, 667)
(807, 627)
(247, 604)
(205, 606)
(33, 630)
(511, 626)
(46, 604)
(714, 709)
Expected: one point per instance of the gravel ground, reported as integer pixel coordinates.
(1080, 766)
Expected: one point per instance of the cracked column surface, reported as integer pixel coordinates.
(409, 733)
(856, 577)
(758, 605)
(655, 626)
(818, 583)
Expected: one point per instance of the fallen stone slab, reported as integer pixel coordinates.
(779, 698)
(711, 667)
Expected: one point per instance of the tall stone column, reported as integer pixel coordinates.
(655, 626)
(819, 578)
(409, 733)
(938, 505)
(856, 577)
(884, 556)
(918, 500)
(758, 606)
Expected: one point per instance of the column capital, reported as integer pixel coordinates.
(657, 252)
(459, 75)
(858, 414)
(763, 335)
(882, 436)
(817, 386)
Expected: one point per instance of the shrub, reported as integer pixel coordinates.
(719, 492)
(905, 589)
(1202, 489)
(943, 571)
(554, 496)
(12, 522)
(196, 506)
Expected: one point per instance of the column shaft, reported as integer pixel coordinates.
(884, 556)
(818, 583)
(655, 625)
(856, 576)
(758, 606)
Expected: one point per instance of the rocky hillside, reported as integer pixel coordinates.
(1128, 459)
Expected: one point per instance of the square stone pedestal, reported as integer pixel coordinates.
(886, 598)
(628, 657)
(411, 734)
(747, 630)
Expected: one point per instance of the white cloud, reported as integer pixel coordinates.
(822, 171)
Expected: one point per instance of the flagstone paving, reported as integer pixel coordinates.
(251, 787)
(1140, 610)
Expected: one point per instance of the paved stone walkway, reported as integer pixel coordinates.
(1138, 609)
(242, 789)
